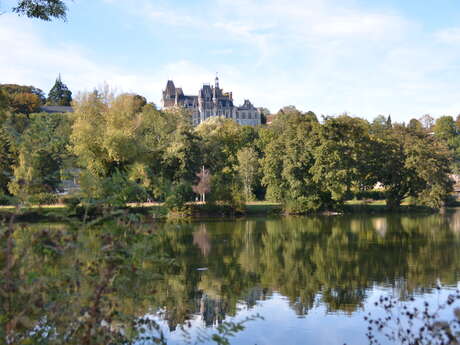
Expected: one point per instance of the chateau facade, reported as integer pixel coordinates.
(211, 101)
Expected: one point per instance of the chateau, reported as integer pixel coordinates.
(211, 101)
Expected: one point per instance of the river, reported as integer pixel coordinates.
(302, 280)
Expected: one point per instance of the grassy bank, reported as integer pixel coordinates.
(195, 210)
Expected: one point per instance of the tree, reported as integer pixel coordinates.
(427, 122)
(123, 134)
(288, 156)
(42, 151)
(221, 139)
(204, 184)
(23, 99)
(41, 9)
(445, 128)
(264, 112)
(447, 131)
(248, 170)
(415, 125)
(415, 164)
(59, 94)
(344, 157)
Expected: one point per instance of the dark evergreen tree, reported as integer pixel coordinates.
(59, 94)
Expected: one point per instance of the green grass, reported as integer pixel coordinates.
(198, 210)
(263, 208)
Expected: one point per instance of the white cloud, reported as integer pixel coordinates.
(27, 59)
(449, 35)
(328, 56)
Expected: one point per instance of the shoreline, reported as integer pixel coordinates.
(157, 212)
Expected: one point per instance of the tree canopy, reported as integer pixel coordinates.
(59, 94)
(42, 9)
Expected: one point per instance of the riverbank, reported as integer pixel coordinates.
(195, 210)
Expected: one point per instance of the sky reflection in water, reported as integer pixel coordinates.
(313, 279)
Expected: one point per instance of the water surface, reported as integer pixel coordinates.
(312, 279)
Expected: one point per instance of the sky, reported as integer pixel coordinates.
(392, 57)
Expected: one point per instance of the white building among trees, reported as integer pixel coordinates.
(211, 101)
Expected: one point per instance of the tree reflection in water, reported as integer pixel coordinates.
(73, 284)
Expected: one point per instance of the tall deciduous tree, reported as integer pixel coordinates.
(42, 150)
(248, 170)
(446, 130)
(23, 99)
(427, 122)
(59, 94)
(414, 164)
(222, 138)
(288, 156)
(344, 157)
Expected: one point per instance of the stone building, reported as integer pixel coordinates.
(210, 101)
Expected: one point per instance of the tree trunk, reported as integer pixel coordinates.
(394, 202)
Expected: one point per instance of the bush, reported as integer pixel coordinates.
(302, 205)
(177, 198)
(6, 199)
(370, 194)
(71, 201)
(44, 199)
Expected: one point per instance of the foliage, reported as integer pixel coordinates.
(59, 94)
(153, 149)
(344, 158)
(43, 198)
(42, 152)
(408, 325)
(446, 130)
(248, 170)
(288, 176)
(23, 99)
(179, 195)
(221, 139)
(41, 9)
(124, 149)
(416, 164)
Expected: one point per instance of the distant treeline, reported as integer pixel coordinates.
(122, 149)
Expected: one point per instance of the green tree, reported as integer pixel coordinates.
(248, 170)
(59, 94)
(42, 151)
(415, 125)
(415, 164)
(156, 150)
(288, 155)
(445, 128)
(222, 138)
(344, 158)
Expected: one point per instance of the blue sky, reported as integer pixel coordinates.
(329, 56)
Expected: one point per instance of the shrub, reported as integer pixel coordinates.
(71, 201)
(302, 205)
(370, 194)
(6, 199)
(44, 199)
(177, 198)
